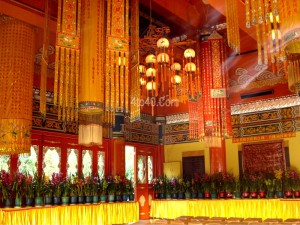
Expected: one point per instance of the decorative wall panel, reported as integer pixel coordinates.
(263, 156)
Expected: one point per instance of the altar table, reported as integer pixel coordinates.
(243, 208)
(102, 214)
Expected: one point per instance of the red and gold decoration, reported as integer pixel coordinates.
(135, 91)
(232, 22)
(67, 59)
(16, 84)
(217, 118)
(117, 59)
(92, 73)
(44, 60)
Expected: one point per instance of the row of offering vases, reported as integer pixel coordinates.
(67, 200)
(229, 195)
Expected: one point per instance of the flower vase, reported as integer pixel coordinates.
(200, 195)
(18, 202)
(102, 198)
(80, 199)
(206, 194)
(222, 194)
(88, 199)
(279, 194)
(180, 195)
(168, 196)
(111, 198)
(288, 194)
(28, 202)
(38, 202)
(270, 194)
(73, 200)
(237, 194)
(65, 200)
(253, 194)
(246, 194)
(262, 194)
(174, 196)
(118, 198)
(296, 194)
(194, 195)
(187, 195)
(48, 200)
(8, 202)
(131, 197)
(213, 195)
(56, 200)
(95, 199)
(229, 195)
(125, 198)
(162, 196)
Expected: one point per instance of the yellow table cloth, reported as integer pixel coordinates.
(245, 208)
(102, 214)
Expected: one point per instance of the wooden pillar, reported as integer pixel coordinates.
(218, 158)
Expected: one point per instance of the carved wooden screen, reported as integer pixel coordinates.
(263, 156)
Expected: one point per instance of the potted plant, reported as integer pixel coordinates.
(125, 189)
(278, 182)
(39, 189)
(73, 190)
(103, 189)
(28, 190)
(187, 188)
(56, 182)
(206, 182)
(48, 191)
(131, 190)
(237, 187)
(87, 189)
(118, 188)
(65, 192)
(6, 188)
(79, 181)
(95, 187)
(290, 176)
(18, 188)
(229, 184)
(110, 188)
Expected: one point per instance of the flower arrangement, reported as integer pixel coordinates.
(39, 185)
(6, 183)
(110, 185)
(18, 185)
(57, 180)
(28, 186)
(278, 179)
(174, 185)
(79, 184)
(102, 186)
(95, 185)
(48, 187)
(126, 186)
(228, 182)
(290, 179)
(118, 184)
(66, 187)
(87, 186)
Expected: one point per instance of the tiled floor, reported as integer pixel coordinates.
(141, 222)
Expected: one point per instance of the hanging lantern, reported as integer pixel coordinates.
(163, 43)
(151, 85)
(16, 83)
(176, 79)
(91, 92)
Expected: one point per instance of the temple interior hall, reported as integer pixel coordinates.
(149, 112)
